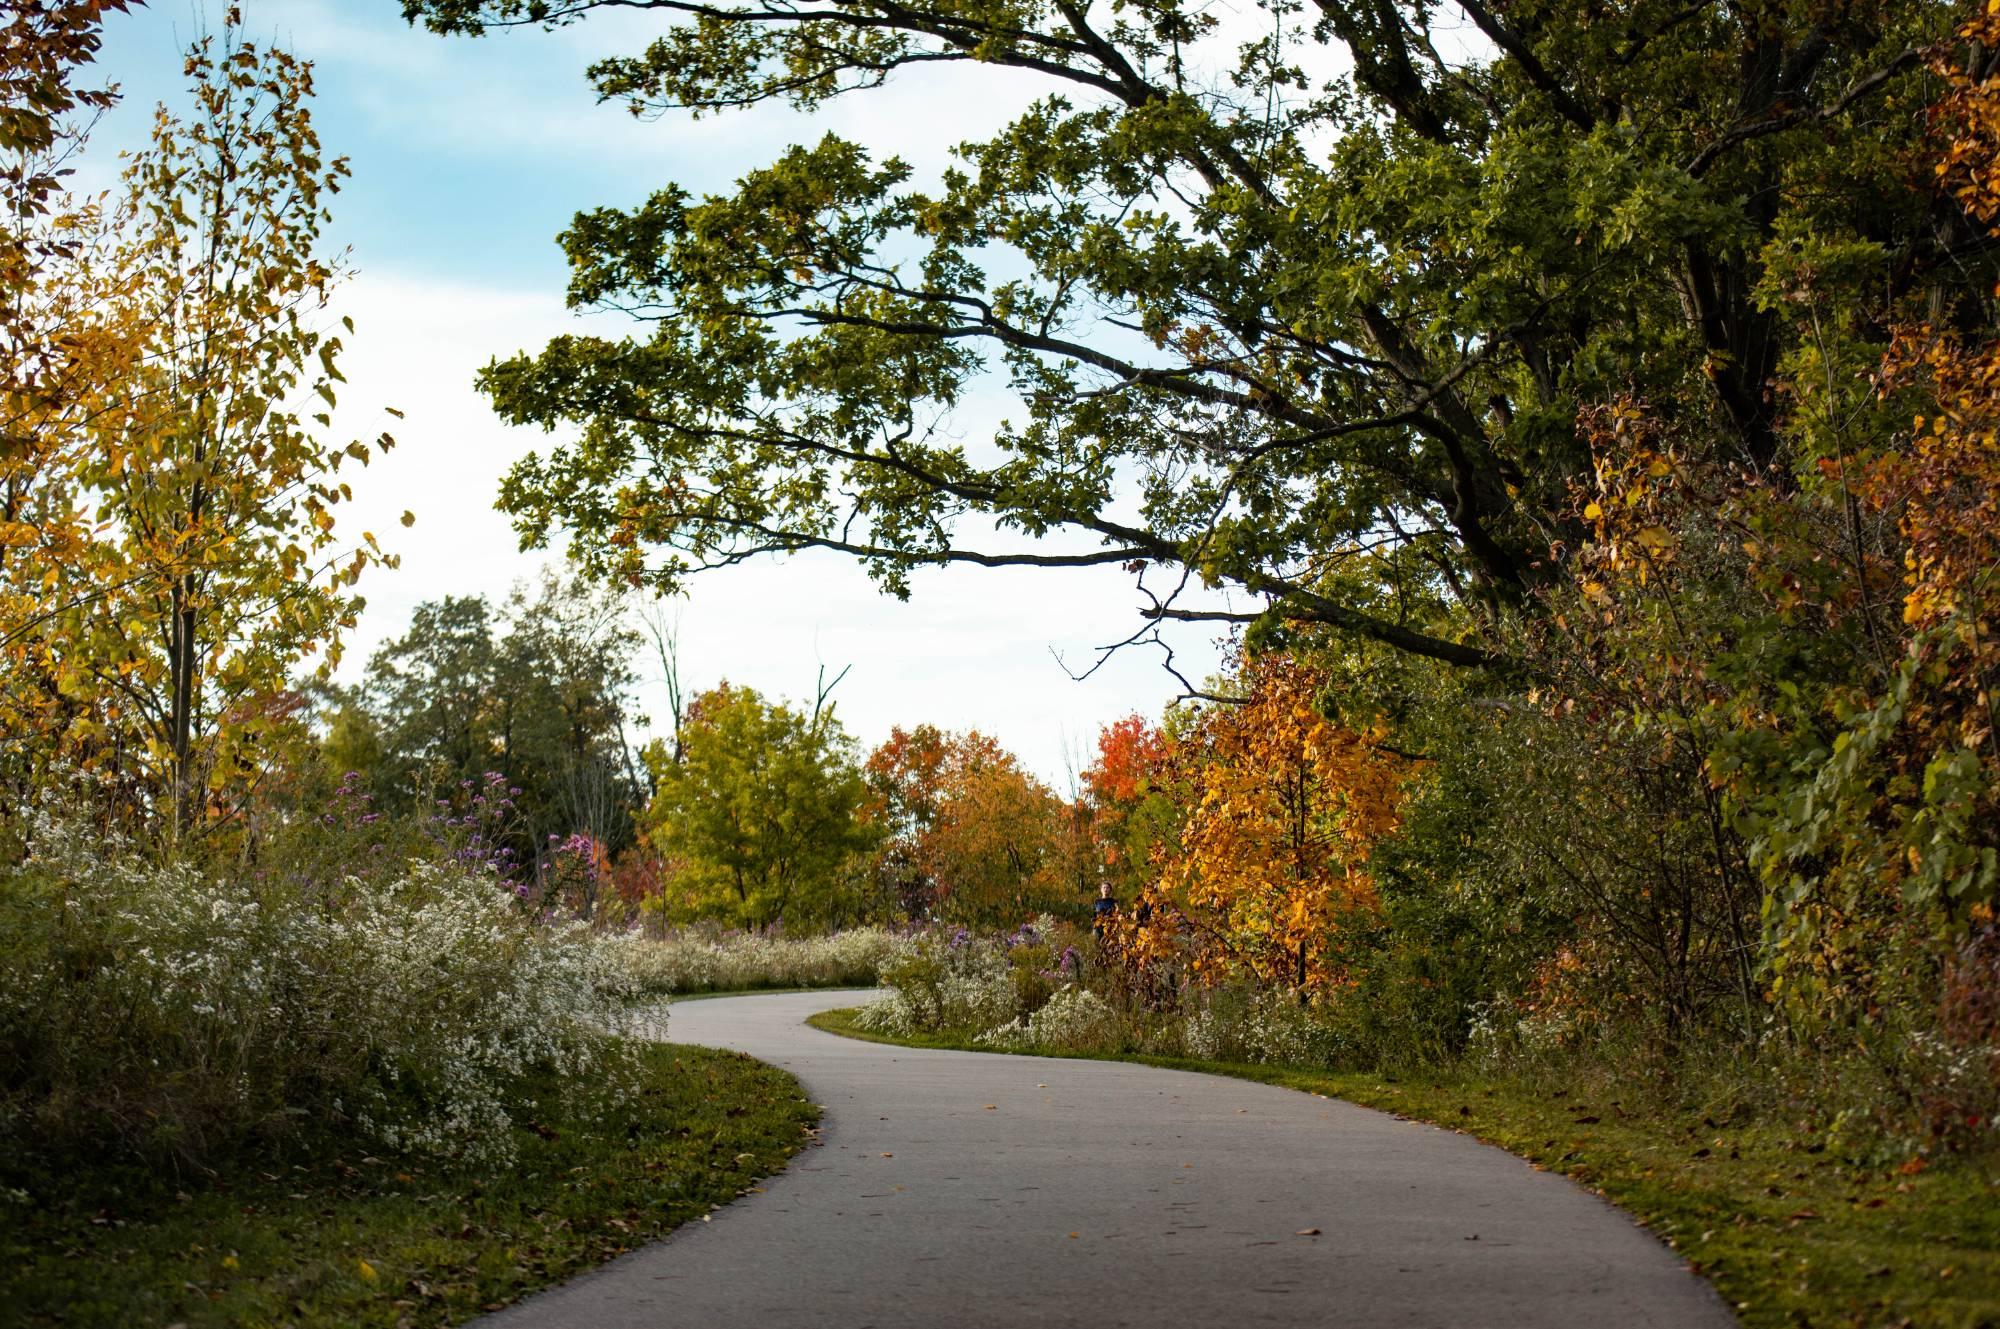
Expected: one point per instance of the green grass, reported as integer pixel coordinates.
(1788, 1232)
(362, 1240)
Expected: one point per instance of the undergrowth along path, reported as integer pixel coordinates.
(329, 1236)
(985, 1189)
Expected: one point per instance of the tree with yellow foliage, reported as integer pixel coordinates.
(186, 473)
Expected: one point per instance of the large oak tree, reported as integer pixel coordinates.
(1303, 304)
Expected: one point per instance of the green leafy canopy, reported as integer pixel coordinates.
(1320, 337)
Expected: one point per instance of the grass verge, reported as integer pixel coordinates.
(1789, 1233)
(361, 1240)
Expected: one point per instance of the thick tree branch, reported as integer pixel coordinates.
(1510, 41)
(1737, 135)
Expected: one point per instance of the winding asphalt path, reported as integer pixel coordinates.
(969, 1189)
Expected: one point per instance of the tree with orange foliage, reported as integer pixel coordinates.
(905, 777)
(972, 838)
(996, 851)
(1126, 803)
(1282, 809)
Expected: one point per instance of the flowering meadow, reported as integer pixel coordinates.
(712, 958)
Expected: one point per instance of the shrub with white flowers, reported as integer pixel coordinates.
(1260, 1025)
(1031, 992)
(1075, 1019)
(942, 981)
(175, 1012)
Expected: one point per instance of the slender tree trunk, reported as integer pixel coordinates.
(183, 664)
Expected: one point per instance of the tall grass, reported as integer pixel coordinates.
(713, 959)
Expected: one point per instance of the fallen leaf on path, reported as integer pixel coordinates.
(1308, 1232)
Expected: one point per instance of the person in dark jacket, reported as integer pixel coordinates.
(1103, 909)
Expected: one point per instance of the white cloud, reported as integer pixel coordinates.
(522, 93)
(972, 648)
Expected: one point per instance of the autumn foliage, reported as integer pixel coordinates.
(1281, 808)
(971, 836)
(1126, 799)
(1945, 490)
(1785, 671)
(168, 552)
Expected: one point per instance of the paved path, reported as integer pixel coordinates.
(968, 1189)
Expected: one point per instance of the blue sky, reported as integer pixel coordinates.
(469, 157)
